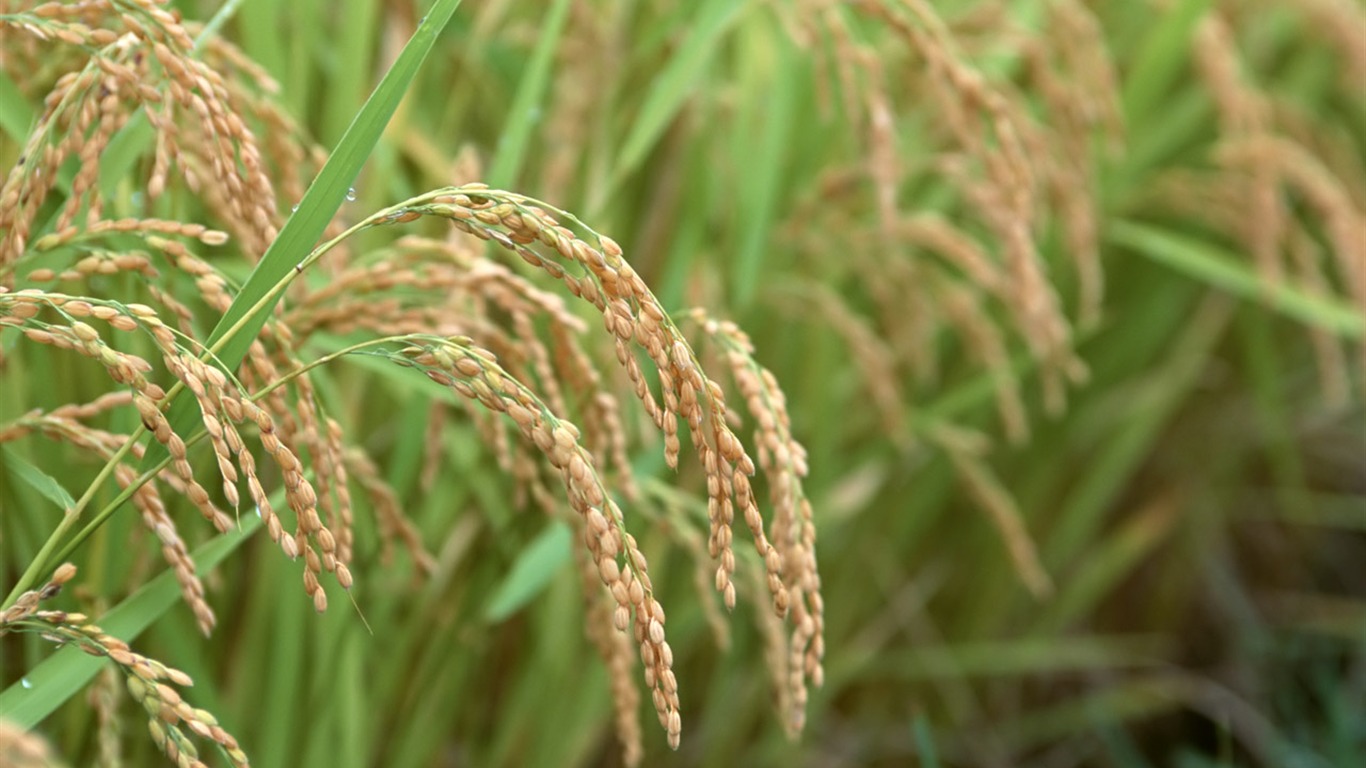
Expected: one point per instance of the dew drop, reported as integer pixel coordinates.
(295, 209)
(351, 193)
(258, 510)
(26, 682)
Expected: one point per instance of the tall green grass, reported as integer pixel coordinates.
(1198, 505)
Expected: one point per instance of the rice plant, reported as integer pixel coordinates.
(488, 325)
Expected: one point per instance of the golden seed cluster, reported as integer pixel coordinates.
(783, 460)
(637, 322)
(142, 61)
(151, 684)
(621, 567)
(525, 358)
(223, 409)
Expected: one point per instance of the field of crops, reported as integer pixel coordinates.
(810, 383)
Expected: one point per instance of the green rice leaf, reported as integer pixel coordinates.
(16, 116)
(512, 144)
(531, 572)
(1164, 50)
(673, 85)
(1222, 270)
(40, 481)
(47, 686)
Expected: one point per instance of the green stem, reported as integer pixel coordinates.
(113, 506)
(40, 562)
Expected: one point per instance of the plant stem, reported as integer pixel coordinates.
(39, 564)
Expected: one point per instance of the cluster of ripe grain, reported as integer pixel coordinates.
(1282, 182)
(223, 408)
(144, 67)
(1012, 170)
(517, 353)
(643, 331)
(151, 684)
(1023, 150)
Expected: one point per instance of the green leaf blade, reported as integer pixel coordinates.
(1206, 263)
(51, 683)
(46, 485)
(533, 570)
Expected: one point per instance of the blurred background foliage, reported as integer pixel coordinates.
(1093, 497)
